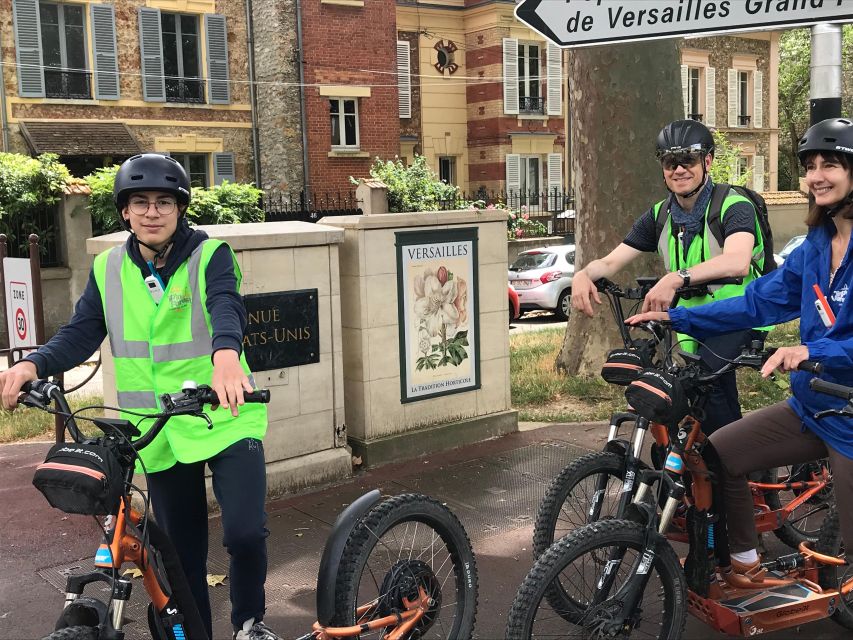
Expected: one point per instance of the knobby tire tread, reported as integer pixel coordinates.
(547, 567)
(561, 488)
(383, 517)
(74, 633)
(829, 542)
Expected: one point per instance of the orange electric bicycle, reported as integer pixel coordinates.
(398, 568)
(622, 578)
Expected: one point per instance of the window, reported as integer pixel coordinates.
(531, 180)
(743, 115)
(344, 119)
(195, 164)
(742, 166)
(447, 169)
(63, 44)
(181, 58)
(530, 98)
(694, 104)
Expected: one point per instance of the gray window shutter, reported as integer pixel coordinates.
(555, 80)
(758, 173)
(151, 46)
(685, 89)
(732, 102)
(28, 49)
(510, 58)
(106, 52)
(216, 34)
(711, 96)
(513, 175)
(404, 78)
(223, 167)
(758, 100)
(555, 173)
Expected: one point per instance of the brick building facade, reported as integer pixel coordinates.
(351, 91)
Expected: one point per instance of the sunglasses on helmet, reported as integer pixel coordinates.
(671, 160)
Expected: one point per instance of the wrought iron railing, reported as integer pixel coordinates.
(297, 205)
(44, 222)
(695, 116)
(530, 105)
(190, 90)
(743, 121)
(67, 84)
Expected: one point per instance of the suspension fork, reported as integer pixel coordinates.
(631, 464)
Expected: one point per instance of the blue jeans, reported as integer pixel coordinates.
(179, 500)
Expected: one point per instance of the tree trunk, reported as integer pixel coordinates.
(621, 96)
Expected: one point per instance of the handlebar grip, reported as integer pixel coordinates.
(812, 367)
(258, 395)
(831, 388)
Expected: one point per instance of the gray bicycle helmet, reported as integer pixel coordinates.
(150, 172)
(833, 134)
(685, 135)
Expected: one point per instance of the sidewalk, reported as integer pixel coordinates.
(494, 487)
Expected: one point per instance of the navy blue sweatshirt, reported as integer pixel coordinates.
(86, 330)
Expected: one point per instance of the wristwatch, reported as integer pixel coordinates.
(685, 275)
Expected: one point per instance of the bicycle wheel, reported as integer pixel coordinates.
(405, 545)
(554, 601)
(74, 633)
(829, 542)
(588, 489)
(805, 522)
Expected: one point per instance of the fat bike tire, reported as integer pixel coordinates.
(806, 521)
(549, 603)
(829, 542)
(569, 498)
(74, 633)
(408, 540)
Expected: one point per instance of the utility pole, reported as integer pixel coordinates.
(825, 89)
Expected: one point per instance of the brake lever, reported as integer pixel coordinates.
(34, 399)
(846, 412)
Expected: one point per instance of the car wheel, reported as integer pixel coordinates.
(564, 305)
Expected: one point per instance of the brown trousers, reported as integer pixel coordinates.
(765, 439)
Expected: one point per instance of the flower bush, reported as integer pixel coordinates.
(520, 225)
(412, 188)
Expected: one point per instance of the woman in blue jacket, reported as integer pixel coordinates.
(787, 433)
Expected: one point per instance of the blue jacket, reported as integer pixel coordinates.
(785, 294)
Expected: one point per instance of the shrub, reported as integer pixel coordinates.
(227, 203)
(724, 167)
(28, 184)
(412, 188)
(519, 225)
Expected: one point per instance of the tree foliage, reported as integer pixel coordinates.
(794, 85)
(726, 155)
(227, 203)
(29, 184)
(412, 188)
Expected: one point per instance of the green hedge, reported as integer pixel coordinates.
(227, 203)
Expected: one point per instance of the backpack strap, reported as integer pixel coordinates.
(662, 217)
(715, 212)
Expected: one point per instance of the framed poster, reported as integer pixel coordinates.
(438, 306)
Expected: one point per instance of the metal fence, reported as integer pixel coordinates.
(553, 208)
(280, 206)
(45, 224)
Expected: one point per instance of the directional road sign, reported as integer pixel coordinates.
(576, 23)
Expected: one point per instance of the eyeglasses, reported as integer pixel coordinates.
(164, 206)
(686, 159)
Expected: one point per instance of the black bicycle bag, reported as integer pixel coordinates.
(77, 478)
(623, 366)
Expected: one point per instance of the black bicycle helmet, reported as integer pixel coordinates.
(685, 135)
(150, 172)
(833, 134)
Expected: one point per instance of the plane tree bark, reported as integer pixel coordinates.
(620, 97)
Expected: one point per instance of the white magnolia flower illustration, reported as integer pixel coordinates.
(434, 302)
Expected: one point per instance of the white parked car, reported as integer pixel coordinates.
(543, 278)
(792, 244)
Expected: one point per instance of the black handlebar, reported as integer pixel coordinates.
(831, 388)
(189, 402)
(811, 366)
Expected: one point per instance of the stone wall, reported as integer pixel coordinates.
(277, 74)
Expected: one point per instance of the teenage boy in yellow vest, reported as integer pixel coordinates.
(691, 255)
(168, 299)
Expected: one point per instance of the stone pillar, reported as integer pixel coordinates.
(372, 197)
(384, 422)
(306, 438)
